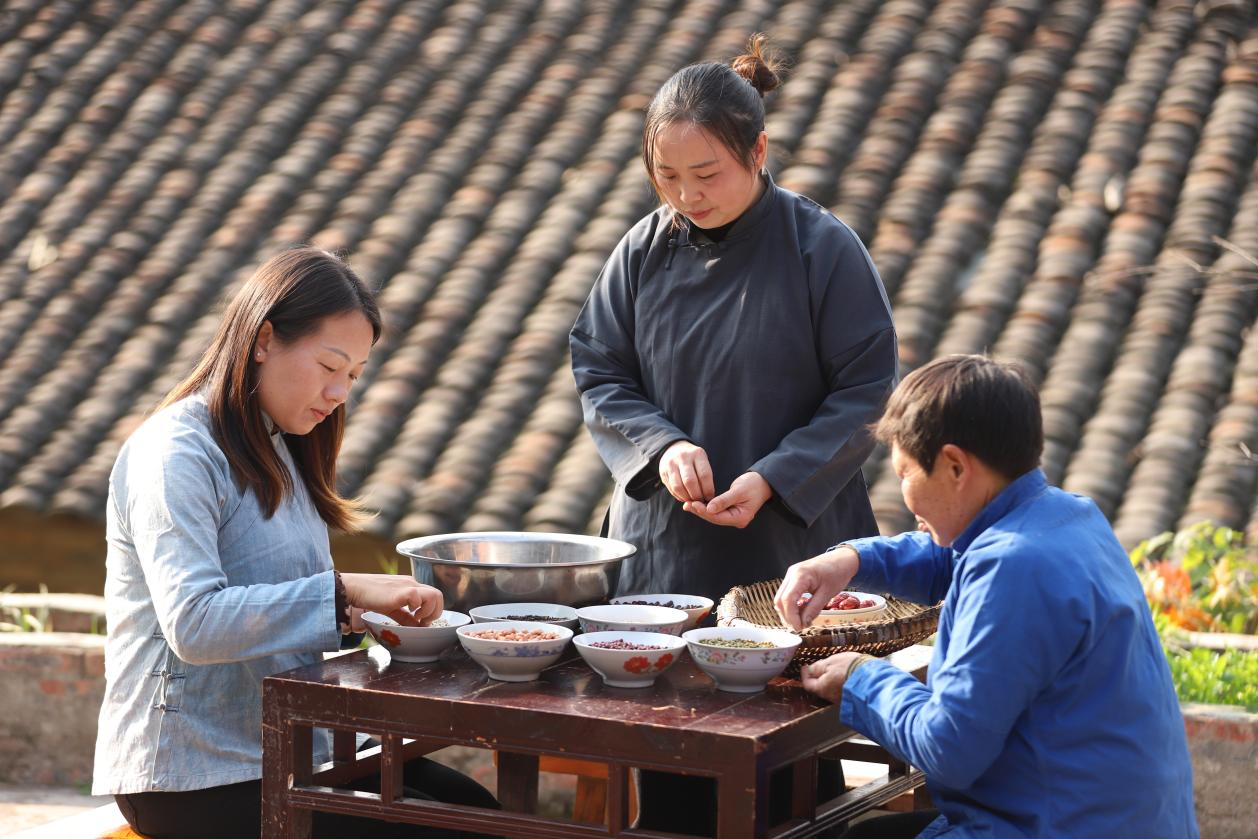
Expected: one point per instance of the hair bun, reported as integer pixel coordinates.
(757, 66)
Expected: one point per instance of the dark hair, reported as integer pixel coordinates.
(985, 407)
(727, 101)
(294, 291)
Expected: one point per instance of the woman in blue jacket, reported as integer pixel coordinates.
(1049, 709)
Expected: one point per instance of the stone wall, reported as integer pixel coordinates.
(51, 685)
(1224, 744)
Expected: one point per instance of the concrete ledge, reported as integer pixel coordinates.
(1223, 742)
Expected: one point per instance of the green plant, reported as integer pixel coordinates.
(1220, 677)
(24, 619)
(1202, 578)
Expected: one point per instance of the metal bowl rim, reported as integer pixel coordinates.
(406, 547)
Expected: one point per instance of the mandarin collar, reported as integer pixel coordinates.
(1021, 490)
(744, 224)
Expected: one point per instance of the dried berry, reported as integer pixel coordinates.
(618, 644)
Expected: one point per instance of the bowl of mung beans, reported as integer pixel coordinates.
(741, 659)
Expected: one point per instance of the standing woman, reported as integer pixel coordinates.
(218, 567)
(731, 354)
(730, 357)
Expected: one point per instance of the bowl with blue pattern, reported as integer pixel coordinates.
(514, 651)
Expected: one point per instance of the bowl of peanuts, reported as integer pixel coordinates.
(514, 651)
(629, 659)
(741, 659)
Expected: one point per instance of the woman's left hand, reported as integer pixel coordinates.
(738, 505)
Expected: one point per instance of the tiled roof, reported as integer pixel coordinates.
(1069, 183)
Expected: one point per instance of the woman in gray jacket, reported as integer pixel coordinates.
(219, 571)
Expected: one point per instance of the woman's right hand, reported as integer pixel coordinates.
(390, 594)
(686, 472)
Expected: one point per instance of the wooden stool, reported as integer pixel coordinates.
(105, 822)
(590, 805)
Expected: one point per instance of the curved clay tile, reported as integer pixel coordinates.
(1101, 465)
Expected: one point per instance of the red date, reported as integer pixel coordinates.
(846, 600)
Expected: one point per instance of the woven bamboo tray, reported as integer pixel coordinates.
(902, 625)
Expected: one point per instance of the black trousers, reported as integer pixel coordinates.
(687, 803)
(235, 810)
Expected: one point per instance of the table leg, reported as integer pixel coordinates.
(286, 761)
(804, 789)
(742, 800)
(391, 763)
(517, 782)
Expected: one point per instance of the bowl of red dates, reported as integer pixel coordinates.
(851, 607)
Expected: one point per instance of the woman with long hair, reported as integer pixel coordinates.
(219, 571)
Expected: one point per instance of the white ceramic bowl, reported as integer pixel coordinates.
(835, 617)
(741, 669)
(514, 661)
(553, 613)
(629, 668)
(695, 607)
(632, 619)
(415, 643)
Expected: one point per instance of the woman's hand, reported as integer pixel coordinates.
(826, 677)
(738, 505)
(820, 578)
(392, 595)
(686, 472)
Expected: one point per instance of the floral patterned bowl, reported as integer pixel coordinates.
(695, 607)
(631, 619)
(629, 668)
(415, 643)
(509, 660)
(741, 669)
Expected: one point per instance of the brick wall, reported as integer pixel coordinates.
(1224, 746)
(51, 684)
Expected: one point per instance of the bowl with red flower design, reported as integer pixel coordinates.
(627, 618)
(415, 643)
(541, 612)
(629, 659)
(695, 607)
(741, 659)
(514, 651)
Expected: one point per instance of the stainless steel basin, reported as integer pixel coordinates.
(476, 569)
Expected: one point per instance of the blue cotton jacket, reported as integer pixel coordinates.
(1049, 709)
(205, 596)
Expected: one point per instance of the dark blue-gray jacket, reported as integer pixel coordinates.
(773, 349)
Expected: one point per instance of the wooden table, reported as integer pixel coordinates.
(681, 724)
